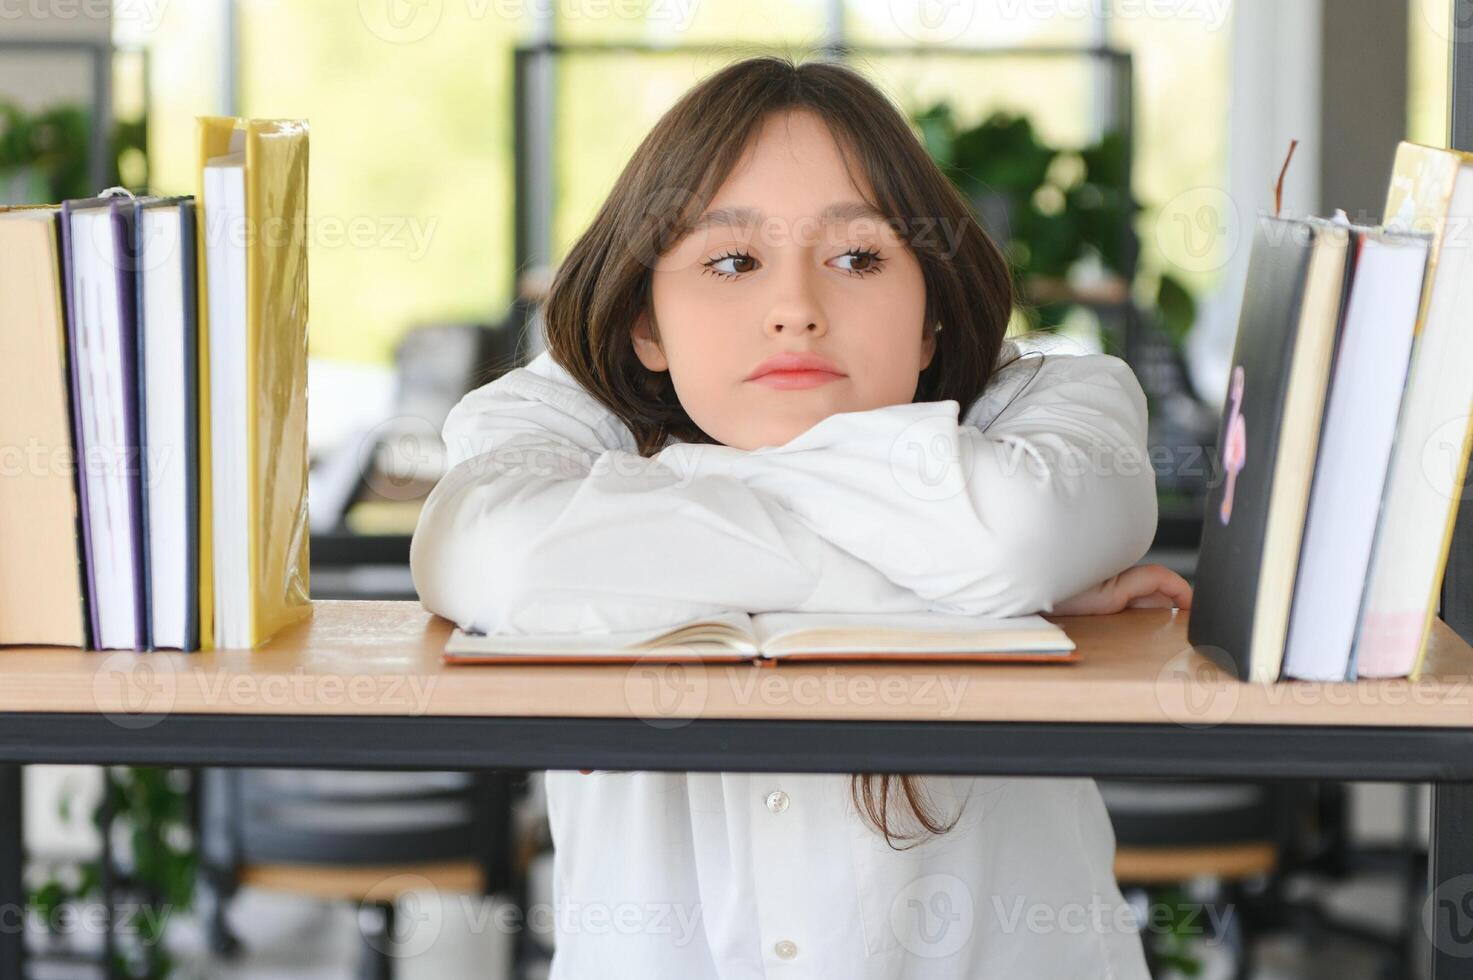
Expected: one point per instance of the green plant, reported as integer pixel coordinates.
(1051, 207)
(147, 811)
(53, 145)
(1172, 945)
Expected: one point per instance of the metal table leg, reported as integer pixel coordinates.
(12, 886)
(1448, 913)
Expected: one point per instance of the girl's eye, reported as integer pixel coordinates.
(864, 262)
(717, 266)
(867, 261)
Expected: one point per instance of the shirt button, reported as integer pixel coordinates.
(785, 950)
(777, 801)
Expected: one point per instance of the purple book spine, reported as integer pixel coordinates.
(125, 268)
(78, 407)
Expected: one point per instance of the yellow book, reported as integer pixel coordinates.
(252, 188)
(211, 139)
(1431, 192)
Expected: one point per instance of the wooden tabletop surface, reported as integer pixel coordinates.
(383, 658)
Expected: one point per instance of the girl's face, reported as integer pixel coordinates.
(787, 260)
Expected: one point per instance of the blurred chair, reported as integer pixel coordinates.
(364, 837)
(1173, 832)
(366, 490)
(1249, 840)
(395, 461)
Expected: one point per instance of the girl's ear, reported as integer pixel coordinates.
(646, 347)
(928, 344)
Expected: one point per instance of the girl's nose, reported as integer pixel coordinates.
(794, 327)
(796, 310)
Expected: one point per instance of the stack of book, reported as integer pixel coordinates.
(153, 406)
(1344, 436)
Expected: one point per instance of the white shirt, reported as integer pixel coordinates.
(547, 520)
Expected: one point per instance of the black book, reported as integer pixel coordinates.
(1298, 272)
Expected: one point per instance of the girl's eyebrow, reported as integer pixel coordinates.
(742, 214)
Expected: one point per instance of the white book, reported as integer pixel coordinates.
(166, 271)
(1359, 429)
(1431, 190)
(225, 277)
(772, 636)
(104, 347)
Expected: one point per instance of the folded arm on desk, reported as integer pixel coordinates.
(540, 526)
(1054, 496)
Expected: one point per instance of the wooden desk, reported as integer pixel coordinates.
(383, 658)
(361, 685)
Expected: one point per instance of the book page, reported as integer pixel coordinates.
(728, 633)
(779, 634)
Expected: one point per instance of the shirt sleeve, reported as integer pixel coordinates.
(547, 521)
(1003, 517)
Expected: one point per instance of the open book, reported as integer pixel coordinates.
(769, 637)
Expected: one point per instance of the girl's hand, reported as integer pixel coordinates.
(1153, 586)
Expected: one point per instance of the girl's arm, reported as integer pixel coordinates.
(1054, 496)
(547, 521)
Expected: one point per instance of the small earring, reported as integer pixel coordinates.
(938, 326)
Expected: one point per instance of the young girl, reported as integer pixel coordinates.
(776, 379)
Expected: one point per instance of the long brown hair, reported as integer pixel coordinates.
(603, 286)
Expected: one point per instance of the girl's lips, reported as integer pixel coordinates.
(796, 379)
